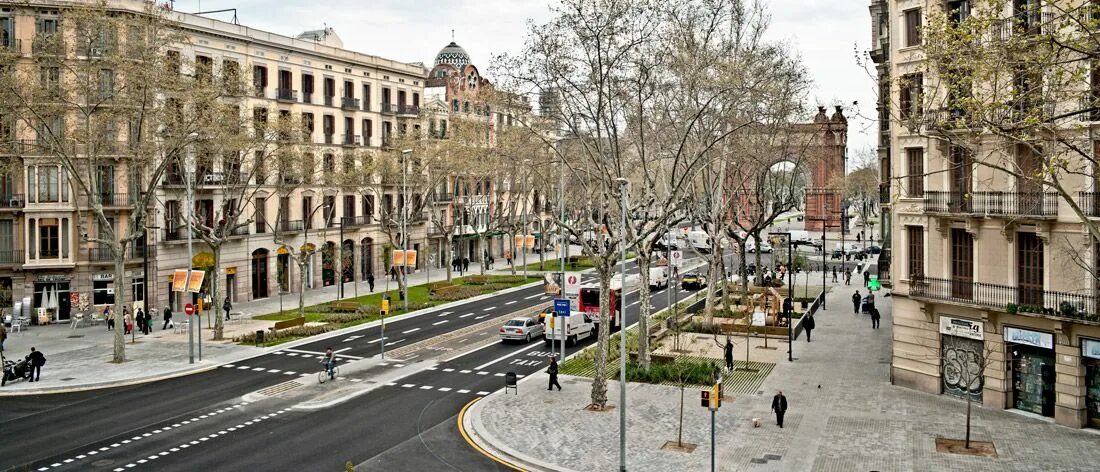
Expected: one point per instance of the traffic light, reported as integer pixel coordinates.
(716, 396)
(704, 399)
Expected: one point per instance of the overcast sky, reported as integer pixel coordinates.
(826, 33)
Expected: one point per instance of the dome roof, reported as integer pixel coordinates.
(452, 54)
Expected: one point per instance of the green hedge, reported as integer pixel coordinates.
(451, 294)
(285, 334)
(689, 371)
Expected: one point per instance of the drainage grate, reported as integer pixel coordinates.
(280, 388)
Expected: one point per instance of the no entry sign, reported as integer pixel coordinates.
(189, 309)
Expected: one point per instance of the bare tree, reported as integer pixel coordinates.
(106, 91)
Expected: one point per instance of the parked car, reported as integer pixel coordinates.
(578, 325)
(765, 248)
(873, 249)
(521, 329)
(546, 312)
(693, 281)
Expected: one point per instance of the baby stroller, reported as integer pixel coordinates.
(16, 370)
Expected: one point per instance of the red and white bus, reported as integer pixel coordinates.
(589, 300)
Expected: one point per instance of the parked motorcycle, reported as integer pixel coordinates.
(16, 370)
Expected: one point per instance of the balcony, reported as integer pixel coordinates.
(349, 103)
(11, 256)
(286, 95)
(353, 221)
(290, 226)
(329, 100)
(443, 197)
(1034, 302)
(884, 193)
(1023, 204)
(329, 138)
(239, 231)
(307, 97)
(48, 45)
(108, 200)
(388, 108)
(408, 110)
(103, 254)
(12, 46)
(12, 200)
(1090, 203)
(350, 140)
(177, 234)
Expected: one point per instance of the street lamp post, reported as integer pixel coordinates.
(788, 310)
(189, 164)
(623, 187)
(405, 228)
(562, 243)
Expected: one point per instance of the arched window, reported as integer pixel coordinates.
(454, 104)
(466, 107)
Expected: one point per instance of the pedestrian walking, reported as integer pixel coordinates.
(727, 351)
(37, 360)
(779, 406)
(393, 273)
(875, 317)
(553, 371)
(140, 319)
(370, 281)
(465, 264)
(866, 278)
(110, 320)
(855, 302)
(847, 278)
(149, 322)
(227, 306)
(808, 324)
(3, 337)
(834, 274)
(869, 303)
(127, 323)
(167, 318)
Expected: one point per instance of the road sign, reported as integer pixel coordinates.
(561, 306)
(189, 309)
(676, 258)
(572, 283)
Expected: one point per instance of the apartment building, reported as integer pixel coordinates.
(994, 293)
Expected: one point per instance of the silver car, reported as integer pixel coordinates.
(522, 329)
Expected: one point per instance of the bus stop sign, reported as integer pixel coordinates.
(561, 306)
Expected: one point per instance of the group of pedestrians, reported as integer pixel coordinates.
(461, 264)
(868, 307)
(144, 323)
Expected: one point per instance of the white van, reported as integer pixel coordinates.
(658, 277)
(699, 240)
(802, 237)
(577, 326)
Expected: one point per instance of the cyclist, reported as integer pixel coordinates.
(330, 363)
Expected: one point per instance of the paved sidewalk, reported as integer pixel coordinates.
(844, 416)
(80, 358)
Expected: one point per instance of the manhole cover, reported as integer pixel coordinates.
(102, 463)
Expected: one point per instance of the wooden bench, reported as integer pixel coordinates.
(301, 321)
(344, 307)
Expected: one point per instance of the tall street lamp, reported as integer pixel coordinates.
(624, 186)
(788, 308)
(405, 227)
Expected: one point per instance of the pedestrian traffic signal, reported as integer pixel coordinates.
(704, 398)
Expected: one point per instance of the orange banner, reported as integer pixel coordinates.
(179, 281)
(195, 283)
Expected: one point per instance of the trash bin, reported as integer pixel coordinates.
(259, 337)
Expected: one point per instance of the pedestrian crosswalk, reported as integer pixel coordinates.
(410, 386)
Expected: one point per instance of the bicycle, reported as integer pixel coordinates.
(324, 375)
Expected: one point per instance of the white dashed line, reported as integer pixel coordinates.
(467, 314)
(482, 373)
(244, 367)
(465, 371)
(480, 317)
(445, 313)
(532, 296)
(391, 384)
(227, 366)
(489, 308)
(448, 370)
(289, 372)
(276, 371)
(444, 389)
(408, 385)
(437, 323)
(463, 391)
(376, 340)
(482, 393)
(509, 302)
(500, 374)
(410, 331)
(426, 387)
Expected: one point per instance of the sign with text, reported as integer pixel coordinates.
(189, 309)
(962, 328)
(561, 306)
(1028, 337)
(194, 284)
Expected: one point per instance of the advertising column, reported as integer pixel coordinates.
(962, 356)
(1032, 357)
(1090, 356)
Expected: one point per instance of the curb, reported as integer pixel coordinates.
(112, 384)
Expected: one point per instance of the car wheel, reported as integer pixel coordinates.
(527, 339)
(572, 340)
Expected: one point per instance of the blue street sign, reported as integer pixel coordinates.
(561, 306)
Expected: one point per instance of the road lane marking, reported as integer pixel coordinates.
(426, 387)
(533, 296)
(489, 308)
(467, 314)
(463, 391)
(410, 331)
(482, 393)
(395, 342)
(445, 389)
(448, 370)
(464, 371)
(341, 350)
(349, 338)
(509, 302)
(445, 313)
(377, 340)
(437, 323)
(513, 353)
(482, 316)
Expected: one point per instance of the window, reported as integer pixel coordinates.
(330, 210)
(309, 167)
(366, 97)
(368, 208)
(261, 215)
(284, 212)
(48, 184)
(958, 11)
(1028, 15)
(915, 251)
(259, 79)
(49, 238)
(912, 27)
(7, 32)
(172, 62)
(106, 84)
(329, 162)
(328, 126)
(915, 179)
(349, 207)
(307, 88)
(368, 132)
(962, 264)
(7, 239)
(204, 69)
(258, 168)
(259, 117)
(231, 76)
(307, 211)
(50, 80)
(171, 216)
(911, 96)
(454, 105)
(137, 289)
(103, 292)
(1029, 269)
(349, 89)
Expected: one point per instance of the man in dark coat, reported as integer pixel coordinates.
(167, 318)
(37, 360)
(227, 307)
(779, 406)
(875, 317)
(855, 302)
(553, 371)
(808, 324)
(727, 352)
(370, 281)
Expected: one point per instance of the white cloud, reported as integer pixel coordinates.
(824, 32)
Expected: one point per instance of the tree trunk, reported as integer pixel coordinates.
(512, 260)
(484, 260)
(967, 443)
(756, 255)
(215, 297)
(449, 256)
(302, 259)
(743, 269)
(645, 309)
(712, 279)
(120, 301)
(599, 380)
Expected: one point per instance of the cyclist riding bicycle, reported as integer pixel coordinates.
(330, 363)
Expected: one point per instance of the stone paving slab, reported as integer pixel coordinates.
(844, 416)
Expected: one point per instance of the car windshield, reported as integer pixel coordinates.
(514, 323)
(691, 276)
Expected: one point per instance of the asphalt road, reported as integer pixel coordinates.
(399, 415)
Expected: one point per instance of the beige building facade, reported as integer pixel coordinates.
(994, 294)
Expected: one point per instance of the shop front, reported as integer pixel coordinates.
(962, 357)
(1031, 354)
(1090, 356)
(51, 299)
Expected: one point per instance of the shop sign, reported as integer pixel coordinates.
(962, 328)
(1028, 337)
(103, 276)
(1090, 348)
(53, 278)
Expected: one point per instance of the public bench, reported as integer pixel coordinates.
(344, 307)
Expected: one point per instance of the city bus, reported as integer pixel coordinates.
(589, 300)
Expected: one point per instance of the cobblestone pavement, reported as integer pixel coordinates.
(844, 416)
